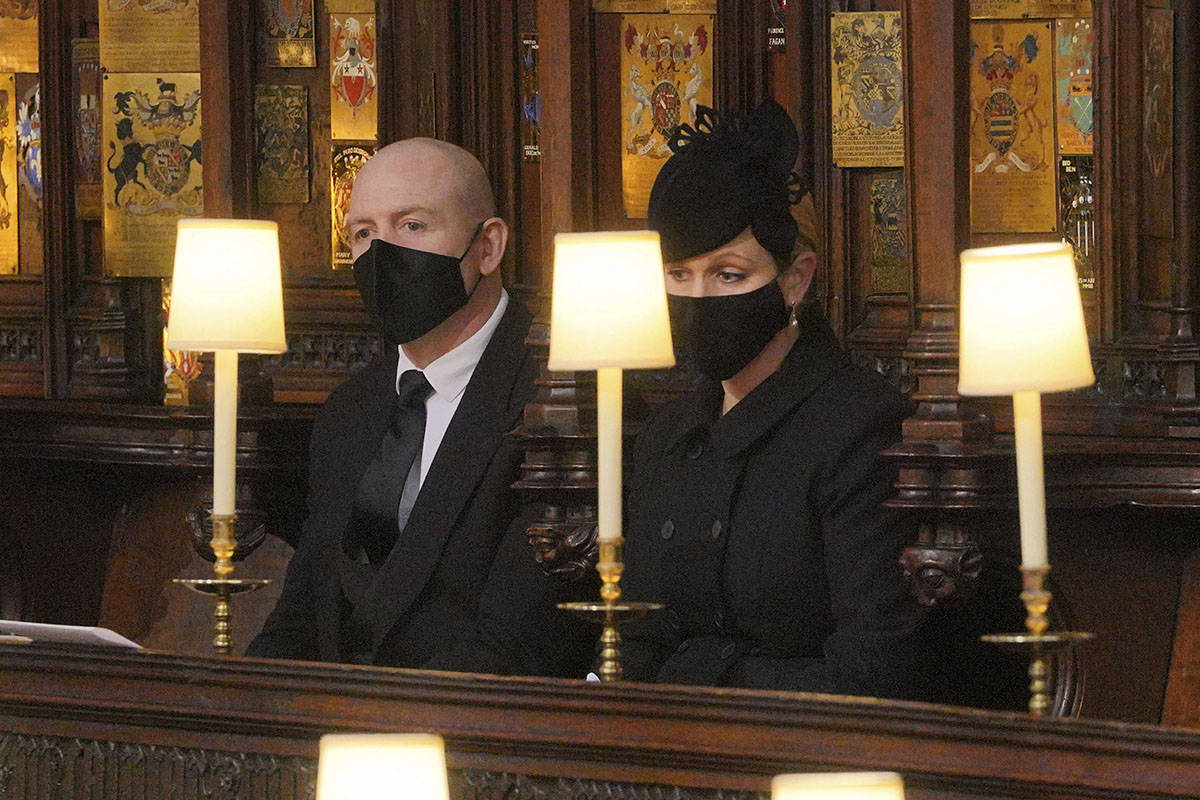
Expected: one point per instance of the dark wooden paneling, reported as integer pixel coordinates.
(88, 480)
(621, 736)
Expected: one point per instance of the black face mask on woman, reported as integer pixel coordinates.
(723, 333)
(410, 292)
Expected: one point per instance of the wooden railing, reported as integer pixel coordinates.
(77, 724)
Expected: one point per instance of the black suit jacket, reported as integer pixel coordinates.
(460, 590)
(764, 533)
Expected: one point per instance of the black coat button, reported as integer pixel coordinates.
(728, 650)
(695, 449)
(719, 619)
(715, 533)
(683, 647)
(667, 530)
(673, 619)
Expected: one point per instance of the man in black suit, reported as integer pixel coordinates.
(414, 553)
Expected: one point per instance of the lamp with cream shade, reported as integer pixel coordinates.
(377, 766)
(608, 312)
(227, 297)
(1022, 332)
(838, 786)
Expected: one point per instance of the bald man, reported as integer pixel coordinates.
(414, 553)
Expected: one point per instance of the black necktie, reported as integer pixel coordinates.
(377, 504)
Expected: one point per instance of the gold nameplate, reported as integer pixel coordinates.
(143, 35)
(18, 36)
(347, 160)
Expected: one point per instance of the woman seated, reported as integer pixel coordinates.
(757, 512)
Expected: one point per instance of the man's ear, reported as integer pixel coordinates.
(493, 238)
(795, 281)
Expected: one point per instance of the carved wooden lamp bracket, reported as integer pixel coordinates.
(564, 541)
(942, 565)
(559, 468)
(250, 532)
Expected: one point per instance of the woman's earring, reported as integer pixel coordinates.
(795, 323)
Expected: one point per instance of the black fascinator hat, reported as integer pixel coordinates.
(725, 175)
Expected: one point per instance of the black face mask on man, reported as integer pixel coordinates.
(723, 333)
(410, 292)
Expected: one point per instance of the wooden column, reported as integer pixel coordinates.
(564, 47)
(936, 100)
(1181, 348)
(58, 188)
(559, 425)
(936, 87)
(417, 69)
(227, 127)
(741, 59)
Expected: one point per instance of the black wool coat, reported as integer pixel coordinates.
(461, 589)
(763, 533)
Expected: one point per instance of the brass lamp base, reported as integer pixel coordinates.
(1038, 643)
(610, 612)
(223, 586)
(611, 615)
(222, 589)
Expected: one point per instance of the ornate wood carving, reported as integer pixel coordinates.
(50, 766)
(559, 470)
(315, 363)
(897, 370)
(327, 351)
(115, 348)
(20, 344)
(1144, 381)
(564, 541)
(941, 566)
(475, 784)
(33, 766)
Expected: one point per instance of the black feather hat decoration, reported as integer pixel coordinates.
(727, 174)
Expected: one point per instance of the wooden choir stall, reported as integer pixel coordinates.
(926, 128)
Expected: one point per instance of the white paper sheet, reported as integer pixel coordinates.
(66, 634)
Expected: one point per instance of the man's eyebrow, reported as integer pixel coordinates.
(428, 211)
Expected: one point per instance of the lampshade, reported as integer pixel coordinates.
(373, 766)
(838, 786)
(609, 307)
(226, 292)
(1021, 322)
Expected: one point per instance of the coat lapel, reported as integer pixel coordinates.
(361, 442)
(814, 357)
(485, 414)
